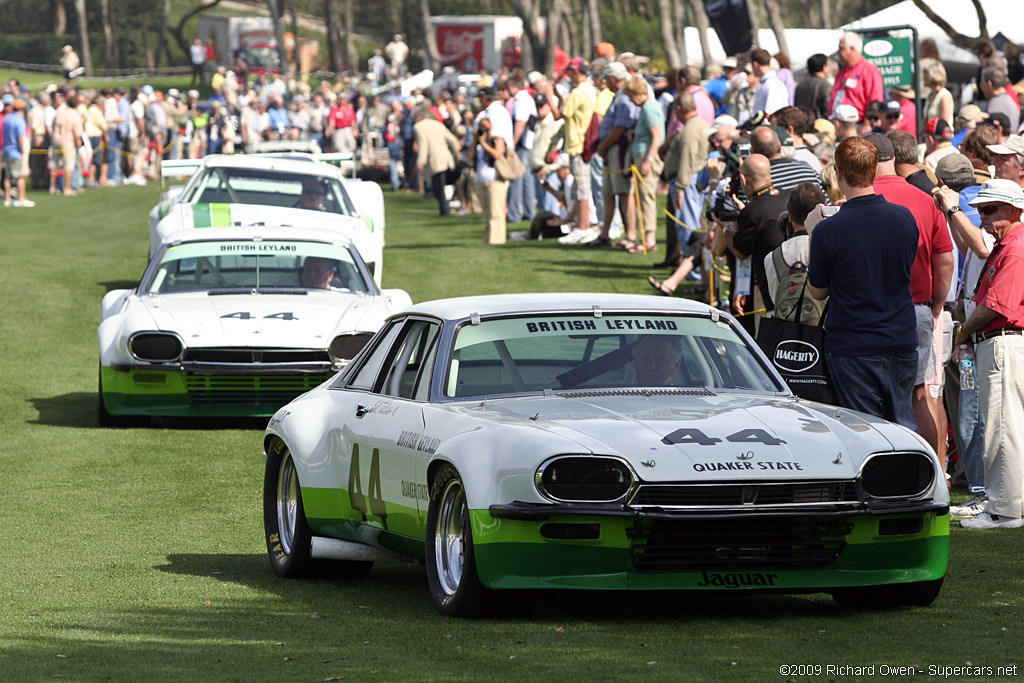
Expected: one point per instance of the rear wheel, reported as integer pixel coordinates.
(288, 536)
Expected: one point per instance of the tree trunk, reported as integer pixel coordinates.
(959, 39)
(555, 13)
(700, 17)
(294, 17)
(178, 31)
(666, 23)
(275, 17)
(572, 42)
(115, 48)
(333, 21)
(109, 59)
(433, 53)
(161, 38)
(826, 13)
(775, 19)
(83, 36)
(60, 17)
(351, 56)
(680, 23)
(594, 17)
(755, 23)
(147, 49)
(529, 12)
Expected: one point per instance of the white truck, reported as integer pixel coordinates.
(478, 43)
(227, 33)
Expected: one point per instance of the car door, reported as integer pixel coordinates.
(384, 431)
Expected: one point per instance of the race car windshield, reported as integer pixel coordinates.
(219, 185)
(265, 266)
(616, 352)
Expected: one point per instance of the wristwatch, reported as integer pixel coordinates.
(953, 209)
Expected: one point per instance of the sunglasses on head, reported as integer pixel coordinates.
(989, 209)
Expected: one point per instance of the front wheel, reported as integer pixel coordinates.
(454, 585)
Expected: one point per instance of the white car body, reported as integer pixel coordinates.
(359, 214)
(240, 349)
(374, 448)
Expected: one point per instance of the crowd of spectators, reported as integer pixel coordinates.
(922, 262)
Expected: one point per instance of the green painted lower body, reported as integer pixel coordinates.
(176, 393)
(513, 554)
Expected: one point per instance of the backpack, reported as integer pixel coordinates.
(590, 140)
(791, 293)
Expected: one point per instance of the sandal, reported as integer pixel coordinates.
(660, 286)
(599, 242)
(639, 249)
(627, 245)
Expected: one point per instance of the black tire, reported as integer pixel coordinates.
(452, 578)
(288, 536)
(920, 594)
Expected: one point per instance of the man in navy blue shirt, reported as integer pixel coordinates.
(861, 260)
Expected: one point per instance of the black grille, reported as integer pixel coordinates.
(668, 545)
(789, 493)
(247, 355)
(252, 390)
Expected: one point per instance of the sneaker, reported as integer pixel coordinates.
(518, 236)
(987, 520)
(25, 203)
(8, 202)
(972, 507)
(578, 235)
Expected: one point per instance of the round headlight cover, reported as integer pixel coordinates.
(897, 475)
(155, 347)
(584, 479)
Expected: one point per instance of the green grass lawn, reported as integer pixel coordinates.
(137, 554)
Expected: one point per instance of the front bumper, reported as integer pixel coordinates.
(787, 551)
(130, 390)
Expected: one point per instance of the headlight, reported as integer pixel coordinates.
(344, 347)
(897, 475)
(584, 479)
(155, 347)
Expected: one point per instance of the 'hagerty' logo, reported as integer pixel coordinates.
(795, 356)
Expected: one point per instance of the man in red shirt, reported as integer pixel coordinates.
(997, 329)
(341, 121)
(930, 278)
(859, 82)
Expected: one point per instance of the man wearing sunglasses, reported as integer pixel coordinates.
(312, 196)
(996, 329)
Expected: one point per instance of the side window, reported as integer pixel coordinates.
(408, 361)
(371, 368)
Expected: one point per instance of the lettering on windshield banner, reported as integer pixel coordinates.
(258, 246)
(579, 325)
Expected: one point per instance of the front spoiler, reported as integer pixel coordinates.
(541, 511)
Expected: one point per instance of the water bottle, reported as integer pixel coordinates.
(966, 368)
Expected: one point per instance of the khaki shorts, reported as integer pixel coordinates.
(14, 168)
(931, 356)
(621, 182)
(581, 174)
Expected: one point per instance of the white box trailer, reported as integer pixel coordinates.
(226, 33)
(478, 43)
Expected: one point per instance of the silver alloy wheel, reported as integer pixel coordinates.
(450, 536)
(287, 502)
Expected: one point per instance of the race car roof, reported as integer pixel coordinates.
(463, 307)
(271, 163)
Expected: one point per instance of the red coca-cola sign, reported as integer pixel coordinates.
(461, 46)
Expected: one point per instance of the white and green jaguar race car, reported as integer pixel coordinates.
(250, 190)
(595, 442)
(236, 322)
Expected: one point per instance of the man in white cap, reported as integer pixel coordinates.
(69, 63)
(995, 330)
(617, 124)
(845, 118)
(1009, 161)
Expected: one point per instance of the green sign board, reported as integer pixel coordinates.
(893, 57)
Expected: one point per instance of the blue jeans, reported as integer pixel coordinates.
(396, 179)
(972, 435)
(522, 192)
(114, 146)
(881, 385)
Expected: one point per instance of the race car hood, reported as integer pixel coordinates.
(714, 438)
(264, 320)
